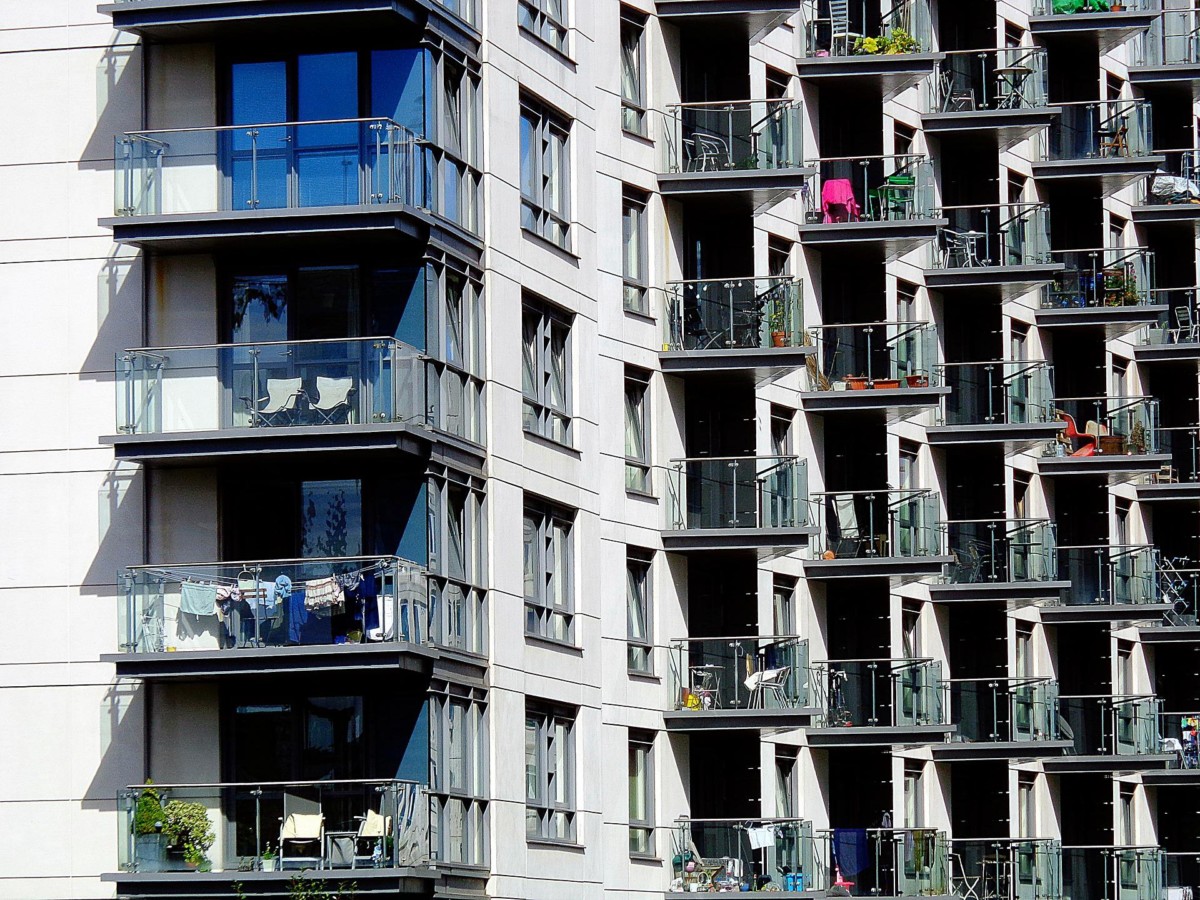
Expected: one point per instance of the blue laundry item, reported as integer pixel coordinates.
(297, 615)
(367, 588)
(280, 593)
(850, 850)
(197, 599)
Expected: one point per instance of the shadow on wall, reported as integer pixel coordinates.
(118, 314)
(119, 535)
(118, 101)
(122, 739)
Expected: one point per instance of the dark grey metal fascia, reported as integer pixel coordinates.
(1165, 74)
(1016, 438)
(192, 664)
(895, 237)
(1114, 173)
(1016, 593)
(1167, 214)
(1184, 492)
(1166, 352)
(872, 736)
(1169, 634)
(1108, 762)
(895, 73)
(911, 567)
(965, 751)
(1171, 776)
(910, 400)
(1118, 467)
(1010, 125)
(762, 188)
(1085, 613)
(738, 719)
(763, 363)
(1120, 26)
(697, 539)
(371, 882)
(1023, 278)
(759, 17)
(1133, 316)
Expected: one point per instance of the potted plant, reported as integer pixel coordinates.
(188, 829)
(886, 384)
(150, 851)
(856, 382)
(268, 859)
(917, 381)
(777, 324)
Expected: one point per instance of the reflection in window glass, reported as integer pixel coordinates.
(331, 518)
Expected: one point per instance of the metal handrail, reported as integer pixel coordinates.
(145, 134)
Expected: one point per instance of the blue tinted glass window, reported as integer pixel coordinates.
(398, 87)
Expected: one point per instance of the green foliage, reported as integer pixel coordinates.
(899, 41)
(301, 888)
(186, 825)
(148, 815)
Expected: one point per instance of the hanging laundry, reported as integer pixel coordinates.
(325, 593)
(280, 593)
(197, 599)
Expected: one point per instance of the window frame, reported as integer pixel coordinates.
(540, 803)
(535, 19)
(540, 415)
(641, 829)
(639, 654)
(635, 207)
(633, 109)
(458, 602)
(551, 131)
(554, 527)
(637, 468)
(470, 801)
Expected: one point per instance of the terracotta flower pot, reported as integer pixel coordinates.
(778, 338)
(916, 381)
(887, 384)
(854, 383)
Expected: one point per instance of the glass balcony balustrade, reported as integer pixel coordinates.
(878, 693)
(1183, 445)
(869, 189)
(1106, 725)
(872, 356)
(733, 135)
(1102, 277)
(1180, 734)
(1003, 709)
(1177, 181)
(1099, 129)
(1069, 7)
(996, 393)
(998, 234)
(737, 492)
(290, 165)
(275, 826)
(1007, 868)
(886, 862)
(1180, 324)
(1172, 40)
(724, 854)
(1010, 79)
(1117, 873)
(866, 30)
(221, 387)
(1106, 426)
(1181, 872)
(1110, 574)
(345, 601)
(734, 314)
(732, 673)
(877, 524)
(1001, 551)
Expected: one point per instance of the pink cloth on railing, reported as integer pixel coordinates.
(838, 192)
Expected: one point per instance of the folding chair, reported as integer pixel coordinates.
(849, 534)
(279, 406)
(302, 832)
(1187, 329)
(333, 399)
(963, 885)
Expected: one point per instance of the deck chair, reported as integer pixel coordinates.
(1187, 329)
(1114, 140)
(962, 885)
(1089, 442)
(850, 538)
(767, 682)
(279, 406)
(369, 842)
(333, 399)
(839, 21)
(955, 98)
(302, 832)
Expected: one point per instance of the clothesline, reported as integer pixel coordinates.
(181, 575)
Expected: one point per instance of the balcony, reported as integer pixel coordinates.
(885, 862)
(346, 180)
(878, 702)
(237, 618)
(1003, 402)
(752, 18)
(1009, 560)
(1007, 868)
(1178, 480)
(726, 683)
(1002, 719)
(749, 153)
(892, 51)
(1002, 93)
(1094, 22)
(186, 21)
(880, 202)
(876, 534)
(177, 404)
(880, 368)
(376, 832)
(1110, 288)
(1179, 586)
(1178, 735)
(1109, 583)
(1120, 872)
(1175, 337)
(1169, 51)
(1119, 439)
(1002, 248)
(749, 326)
(1109, 734)
(722, 854)
(1102, 143)
(1172, 194)
(757, 503)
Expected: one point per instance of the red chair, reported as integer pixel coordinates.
(1089, 442)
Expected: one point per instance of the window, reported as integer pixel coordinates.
(546, 372)
(914, 801)
(637, 431)
(786, 800)
(637, 604)
(779, 256)
(457, 560)
(633, 90)
(545, 19)
(458, 773)
(641, 793)
(1026, 805)
(781, 429)
(549, 572)
(783, 612)
(545, 182)
(549, 773)
(633, 244)
(1024, 651)
(909, 468)
(457, 396)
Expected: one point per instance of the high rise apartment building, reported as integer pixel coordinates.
(577, 448)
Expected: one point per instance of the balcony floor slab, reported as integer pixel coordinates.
(755, 189)
(1152, 353)
(1011, 126)
(1013, 593)
(764, 364)
(1085, 613)
(1107, 762)
(979, 751)
(192, 664)
(1179, 214)
(1015, 438)
(754, 18)
(1182, 74)
(904, 568)
(1117, 321)
(1183, 492)
(1110, 174)
(1170, 634)
(892, 238)
(1117, 468)
(1106, 30)
(893, 73)
(738, 719)
(371, 882)
(763, 540)
(887, 736)
(1009, 281)
(894, 404)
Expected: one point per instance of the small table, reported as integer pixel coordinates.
(339, 849)
(1014, 78)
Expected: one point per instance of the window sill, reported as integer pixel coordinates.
(553, 643)
(638, 314)
(551, 442)
(648, 677)
(555, 843)
(562, 55)
(549, 244)
(645, 858)
(637, 136)
(640, 495)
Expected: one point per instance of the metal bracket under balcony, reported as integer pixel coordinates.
(739, 719)
(1010, 281)
(1011, 126)
(755, 18)
(1112, 174)
(323, 658)
(754, 189)
(1117, 321)
(1169, 634)
(369, 882)
(1107, 762)
(1187, 351)
(1168, 492)
(762, 364)
(1108, 30)
(894, 237)
(186, 21)
(894, 73)
(902, 568)
(885, 736)
(1117, 467)
(767, 541)
(1085, 613)
(895, 404)
(1015, 438)
(1013, 593)
(1179, 214)
(977, 751)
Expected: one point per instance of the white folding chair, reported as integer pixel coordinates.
(279, 406)
(333, 398)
